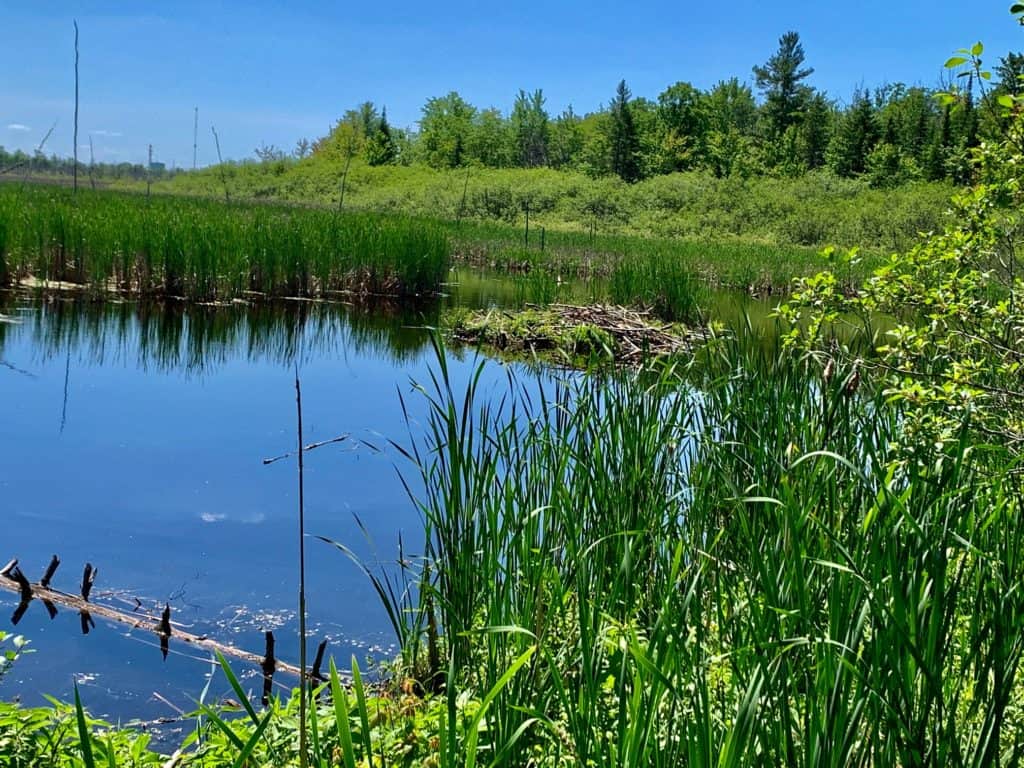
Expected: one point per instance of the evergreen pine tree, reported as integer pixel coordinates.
(381, 148)
(623, 138)
(780, 80)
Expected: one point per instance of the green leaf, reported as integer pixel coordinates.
(955, 61)
(473, 731)
(250, 745)
(1005, 101)
(340, 696)
(977, 49)
(237, 687)
(1017, 8)
(83, 732)
(364, 714)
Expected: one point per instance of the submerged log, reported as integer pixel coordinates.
(137, 620)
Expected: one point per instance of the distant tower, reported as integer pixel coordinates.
(195, 140)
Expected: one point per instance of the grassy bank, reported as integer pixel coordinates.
(622, 571)
(815, 210)
(752, 234)
(206, 250)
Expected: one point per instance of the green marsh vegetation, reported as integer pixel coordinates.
(713, 167)
(720, 566)
(207, 250)
(787, 553)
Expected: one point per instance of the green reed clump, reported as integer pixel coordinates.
(728, 572)
(664, 283)
(205, 249)
(760, 267)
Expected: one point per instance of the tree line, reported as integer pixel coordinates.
(891, 134)
(19, 163)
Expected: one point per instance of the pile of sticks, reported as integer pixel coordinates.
(636, 333)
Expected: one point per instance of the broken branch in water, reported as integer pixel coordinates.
(307, 448)
(13, 580)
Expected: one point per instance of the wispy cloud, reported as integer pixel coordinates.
(109, 134)
(18, 127)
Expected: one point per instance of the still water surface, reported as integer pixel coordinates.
(133, 437)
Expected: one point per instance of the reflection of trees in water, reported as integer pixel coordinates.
(170, 336)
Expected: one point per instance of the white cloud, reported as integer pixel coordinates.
(18, 127)
(110, 134)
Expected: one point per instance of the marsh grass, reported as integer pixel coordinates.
(207, 250)
(711, 565)
(760, 267)
(724, 574)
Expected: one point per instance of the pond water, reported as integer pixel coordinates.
(132, 436)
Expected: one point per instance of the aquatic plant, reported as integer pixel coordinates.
(207, 250)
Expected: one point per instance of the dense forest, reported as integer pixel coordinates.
(782, 126)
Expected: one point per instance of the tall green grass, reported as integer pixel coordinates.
(712, 566)
(569, 254)
(204, 249)
(729, 574)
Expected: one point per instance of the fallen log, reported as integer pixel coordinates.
(155, 624)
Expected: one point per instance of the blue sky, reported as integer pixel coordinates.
(273, 73)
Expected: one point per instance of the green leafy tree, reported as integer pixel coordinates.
(732, 121)
(1011, 74)
(781, 82)
(682, 128)
(623, 139)
(954, 358)
(596, 150)
(940, 148)
(530, 126)
(566, 142)
(730, 105)
(814, 131)
(446, 126)
(492, 142)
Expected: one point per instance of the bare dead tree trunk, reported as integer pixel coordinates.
(75, 169)
(220, 161)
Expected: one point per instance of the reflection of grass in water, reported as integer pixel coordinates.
(196, 339)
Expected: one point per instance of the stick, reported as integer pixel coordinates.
(220, 161)
(92, 163)
(302, 580)
(269, 666)
(50, 570)
(344, 175)
(462, 204)
(315, 674)
(308, 448)
(75, 171)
